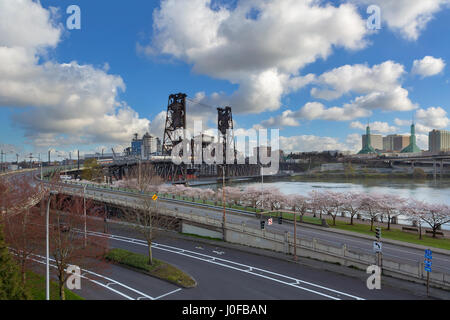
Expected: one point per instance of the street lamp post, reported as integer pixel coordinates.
(85, 217)
(223, 201)
(47, 281)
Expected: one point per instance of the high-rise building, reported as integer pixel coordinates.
(439, 141)
(136, 146)
(395, 143)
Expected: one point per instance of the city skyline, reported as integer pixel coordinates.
(92, 92)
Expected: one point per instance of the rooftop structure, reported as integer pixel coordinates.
(412, 148)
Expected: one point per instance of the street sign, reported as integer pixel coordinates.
(428, 260)
(270, 222)
(427, 267)
(155, 197)
(377, 247)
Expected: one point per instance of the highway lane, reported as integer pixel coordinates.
(112, 282)
(393, 252)
(232, 274)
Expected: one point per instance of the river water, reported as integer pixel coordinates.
(433, 192)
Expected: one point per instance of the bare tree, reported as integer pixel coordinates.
(68, 243)
(146, 217)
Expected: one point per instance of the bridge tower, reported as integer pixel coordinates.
(174, 134)
(226, 137)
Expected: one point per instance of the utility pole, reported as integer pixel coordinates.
(223, 202)
(295, 236)
(1, 168)
(40, 165)
(139, 175)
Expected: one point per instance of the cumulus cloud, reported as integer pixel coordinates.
(428, 66)
(408, 17)
(435, 117)
(377, 126)
(310, 143)
(62, 103)
(380, 86)
(427, 120)
(259, 45)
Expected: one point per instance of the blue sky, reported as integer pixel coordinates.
(113, 31)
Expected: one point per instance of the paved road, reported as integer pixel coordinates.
(393, 252)
(229, 274)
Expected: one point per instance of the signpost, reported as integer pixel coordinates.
(428, 263)
(378, 247)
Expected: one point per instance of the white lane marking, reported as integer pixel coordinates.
(167, 294)
(93, 281)
(214, 260)
(112, 282)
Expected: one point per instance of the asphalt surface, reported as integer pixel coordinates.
(227, 274)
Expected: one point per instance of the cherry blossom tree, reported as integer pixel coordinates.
(252, 196)
(370, 203)
(206, 194)
(390, 205)
(414, 210)
(298, 203)
(315, 202)
(436, 215)
(351, 204)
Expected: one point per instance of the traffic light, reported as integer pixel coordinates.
(378, 233)
(263, 225)
(280, 220)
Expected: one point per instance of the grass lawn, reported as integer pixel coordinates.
(159, 269)
(36, 288)
(394, 234)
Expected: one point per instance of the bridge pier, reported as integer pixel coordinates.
(435, 169)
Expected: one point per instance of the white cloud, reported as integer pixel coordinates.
(309, 143)
(433, 117)
(428, 66)
(62, 103)
(408, 17)
(377, 126)
(427, 120)
(25, 24)
(263, 54)
(379, 84)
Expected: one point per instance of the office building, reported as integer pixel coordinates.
(395, 143)
(439, 141)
